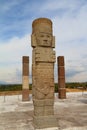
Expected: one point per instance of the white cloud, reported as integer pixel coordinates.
(65, 6)
(11, 57)
(14, 49)
(69, 26)
(79, 77)
(71, 42)
(71, 34)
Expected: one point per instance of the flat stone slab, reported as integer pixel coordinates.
(76, 128)
(71, 113)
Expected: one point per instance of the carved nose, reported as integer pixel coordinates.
(45, 40)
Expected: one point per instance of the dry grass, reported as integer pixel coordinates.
(12, 93)
(74, 90)
(20, 92)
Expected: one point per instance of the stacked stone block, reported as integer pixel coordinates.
(25, 78)
(43, 73)
(61, 77)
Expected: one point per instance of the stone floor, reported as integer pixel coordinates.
(71, 113)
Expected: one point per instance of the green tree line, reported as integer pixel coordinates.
(18, 87)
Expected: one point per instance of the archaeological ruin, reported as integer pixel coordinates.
(43, 59)
(61, 77)
(25, 78)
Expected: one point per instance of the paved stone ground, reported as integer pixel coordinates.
(71, 113)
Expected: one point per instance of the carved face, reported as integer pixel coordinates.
(44, 39)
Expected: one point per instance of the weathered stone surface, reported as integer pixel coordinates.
(25, 59)
(61, 77)
(26, 69)
(62, 93)
(71, 113)
(43, 107)
(44, 55)
(43, 59)
(25, 62)
(25, 78)
(61, 71)
(60, 60)
(61, 82)
(25, 95)
(45, 121)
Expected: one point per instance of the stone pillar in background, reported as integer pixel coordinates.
(25, 78)
(43, 60)
(61, 77)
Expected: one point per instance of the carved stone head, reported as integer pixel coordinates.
(42, 33)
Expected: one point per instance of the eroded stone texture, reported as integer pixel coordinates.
(43, 60)
(25, 78)
(61, 77)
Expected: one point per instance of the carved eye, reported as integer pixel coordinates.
(48, 36)
(41, 35)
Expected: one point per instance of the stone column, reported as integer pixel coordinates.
(61, 77)
(25, 78)
(43, 61)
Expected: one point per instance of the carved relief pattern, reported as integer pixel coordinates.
(43, 59)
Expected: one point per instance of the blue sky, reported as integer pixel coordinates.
(69, 19)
